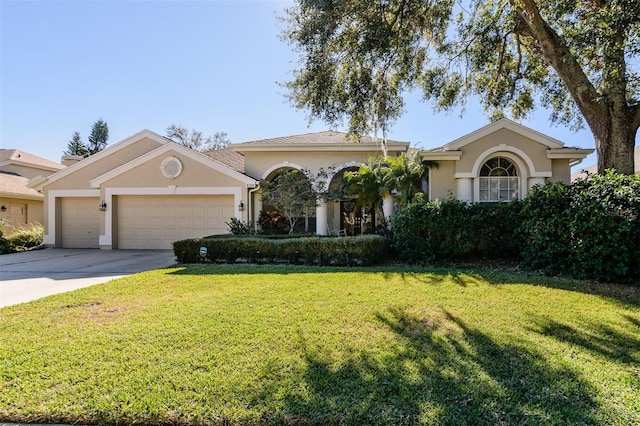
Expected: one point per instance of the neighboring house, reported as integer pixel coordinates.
(147, 191)
(20, 204)
(594, 168)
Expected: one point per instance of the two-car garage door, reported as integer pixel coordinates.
(155, 222)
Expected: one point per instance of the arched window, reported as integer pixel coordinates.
(499, 180)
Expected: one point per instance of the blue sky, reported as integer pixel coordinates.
(208, 65)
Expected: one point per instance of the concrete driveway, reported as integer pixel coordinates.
(35, 274)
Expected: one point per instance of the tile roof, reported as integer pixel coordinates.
(16, 155)
(228, 157)
(13, 185)
(318, 138)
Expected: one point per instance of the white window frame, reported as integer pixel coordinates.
(499, 188)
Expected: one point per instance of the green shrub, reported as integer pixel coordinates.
(590, 229)
(323, 251)
(272, 222)
(438, 230)
(27, 237)
(5, 245)
(238, 227)
(497, 226)
(546, 214)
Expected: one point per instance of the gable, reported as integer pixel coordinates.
(494, 130)
(505, 140)
(172, 165)
(78, 175)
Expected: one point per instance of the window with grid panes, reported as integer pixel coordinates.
(499, 181)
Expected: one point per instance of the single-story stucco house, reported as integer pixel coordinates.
(147, 191)
(19, 204)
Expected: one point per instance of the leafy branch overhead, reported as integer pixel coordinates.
(578, 58)
(196, 140)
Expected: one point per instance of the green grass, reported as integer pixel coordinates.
(284, 345)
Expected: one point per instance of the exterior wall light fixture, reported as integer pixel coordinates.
(241, 206)
(103, 206)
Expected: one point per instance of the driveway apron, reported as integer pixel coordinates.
(35, 274)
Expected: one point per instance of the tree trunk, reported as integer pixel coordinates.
(613, 120)
(615, 145)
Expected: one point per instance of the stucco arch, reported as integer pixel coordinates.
(335, 170)
(523, 162)
(283, 165)
(522, 159)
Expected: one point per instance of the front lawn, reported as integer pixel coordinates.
(237, 344)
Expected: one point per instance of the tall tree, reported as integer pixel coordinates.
(580, 58)
(98, 137)
(195, 140)
(76, 146)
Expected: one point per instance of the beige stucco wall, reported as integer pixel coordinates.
(258, 163)
(149, 174)
(34, 209)
(80, 178)
(26, 170)
(537, 152)
(442, 184)
(561, 171)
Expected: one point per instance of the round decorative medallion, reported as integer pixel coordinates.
(171, 167)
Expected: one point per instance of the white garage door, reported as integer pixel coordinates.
(80, 220)
(150, 222)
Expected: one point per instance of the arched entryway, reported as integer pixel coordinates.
(345, 216)
(287, 202)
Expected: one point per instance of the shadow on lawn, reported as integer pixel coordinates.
(443, 372)
(464, 277)
(617, 345)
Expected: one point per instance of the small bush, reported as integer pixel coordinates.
(271, 222)
(238, 227)
(322, 251)
(5, 245)
(27, 237)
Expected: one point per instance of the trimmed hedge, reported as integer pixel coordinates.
(363, 250)
(589, 230)
(427, 231)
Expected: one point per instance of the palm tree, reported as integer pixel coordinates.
(404, 174)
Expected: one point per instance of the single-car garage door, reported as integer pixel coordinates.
(80, 220)
(155, 222)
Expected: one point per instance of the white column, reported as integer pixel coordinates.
(256, 209)
(464, 189)
(536, 181)
(387, 207)
(321, 217)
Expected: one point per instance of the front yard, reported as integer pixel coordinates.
(237, 344)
